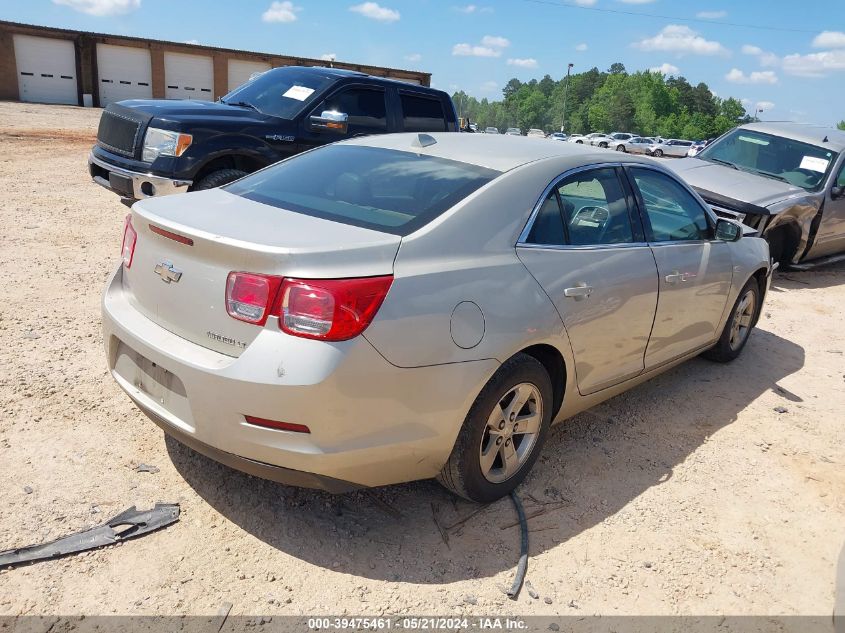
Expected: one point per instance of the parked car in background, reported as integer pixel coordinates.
(491, 130)
(275, 324)
(612, 141)
(588, 138)
(786, 180)
(557, 136)
(514, 131)
(636, 145)
(150, 148)
(697, 146)
(536, 133)
(672, 147)
(576, 138)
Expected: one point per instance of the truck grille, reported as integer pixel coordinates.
(120, 133)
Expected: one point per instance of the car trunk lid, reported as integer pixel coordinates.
(187, 246)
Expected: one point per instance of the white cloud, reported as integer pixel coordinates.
(814, 64)
(470, 8)
(101, 7)
(374, 11)
(489, 86)
(491, 46)
(666, 69)
(527, 62)
(711, 15)
(192, 41)
(328, 57)
(466, 50)
(585, 3)
(495, 41)
(281, 12)
(765, 106)
(581, 47)
(765, 58)
(637, 1)
(682, 40)
(757, 77)
(829, 39)
(413, 57)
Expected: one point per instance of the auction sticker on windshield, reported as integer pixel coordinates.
(814, 163)
(300, 93)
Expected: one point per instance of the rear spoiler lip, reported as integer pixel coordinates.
(732, 204)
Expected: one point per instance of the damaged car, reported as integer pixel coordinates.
(785, 180)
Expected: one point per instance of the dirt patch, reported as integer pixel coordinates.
(690, 494)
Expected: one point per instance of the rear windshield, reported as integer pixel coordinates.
(375, 188)
(775, 157)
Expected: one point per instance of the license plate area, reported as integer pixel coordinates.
(121, 184)
(153, 385)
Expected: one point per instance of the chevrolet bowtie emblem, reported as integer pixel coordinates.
(167, 272)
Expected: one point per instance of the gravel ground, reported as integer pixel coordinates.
(711, 489)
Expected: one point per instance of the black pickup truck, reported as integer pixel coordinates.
(155, 147)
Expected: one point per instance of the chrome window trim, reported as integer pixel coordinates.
(583, 247)
(522, 240)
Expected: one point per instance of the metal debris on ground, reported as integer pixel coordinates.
(128, 524)
(531, 591)
(222, 614)
(522, 566)
(146, 468)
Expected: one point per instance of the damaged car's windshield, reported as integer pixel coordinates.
(784, 159)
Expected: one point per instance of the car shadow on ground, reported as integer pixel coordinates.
(595, 464)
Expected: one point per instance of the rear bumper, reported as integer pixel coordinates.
(133, 184)
(371, 423)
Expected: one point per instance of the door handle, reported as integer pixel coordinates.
(579, 292)
(676, 276)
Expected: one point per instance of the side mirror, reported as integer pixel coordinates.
(837, 192)
(331, 120)
(728, 231)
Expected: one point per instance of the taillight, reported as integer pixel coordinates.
(127, 249)
(249, 297)
(331, 309)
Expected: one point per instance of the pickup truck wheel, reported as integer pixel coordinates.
(739, 325)
(219, 178)
(502, 433)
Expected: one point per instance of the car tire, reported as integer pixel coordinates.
(739, 325)
(658, 153)
(620, 148)
(579, 142)
(219, 178)
(604, 145)
(466, 472)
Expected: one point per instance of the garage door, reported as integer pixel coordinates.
(188, 77)
(240, 71)
(124, 72)
(46, 69)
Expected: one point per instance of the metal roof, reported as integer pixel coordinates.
(806, 133)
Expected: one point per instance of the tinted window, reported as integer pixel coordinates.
(840, 180)
(797, 163)
(594, 208)
(281, 92)
(365, 107)
(422, 115)
(548, 225)
(386, 190)
(672, 211)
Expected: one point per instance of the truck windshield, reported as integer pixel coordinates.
(775, 157)
(381, 189)
(281, 92)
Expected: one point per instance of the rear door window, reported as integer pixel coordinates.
(365, 108)
(382, 189)
(595, 210)
(421, 114)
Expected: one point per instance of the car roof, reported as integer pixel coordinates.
(807, 133)
(343, 73)
(499, 152)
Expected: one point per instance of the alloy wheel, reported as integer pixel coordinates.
(742, 319)
(510, 434)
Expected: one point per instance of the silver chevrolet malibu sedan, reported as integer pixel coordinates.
(408, 306)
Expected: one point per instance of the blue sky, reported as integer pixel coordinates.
(794, 71)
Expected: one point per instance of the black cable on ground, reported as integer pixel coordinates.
(522, 566)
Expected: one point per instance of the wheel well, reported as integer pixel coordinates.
(554, 364)
(760, 276)
(790, 233)
(248, 164)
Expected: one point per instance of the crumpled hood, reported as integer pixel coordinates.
(733, 183)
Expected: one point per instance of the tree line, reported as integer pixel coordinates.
(645, 102)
